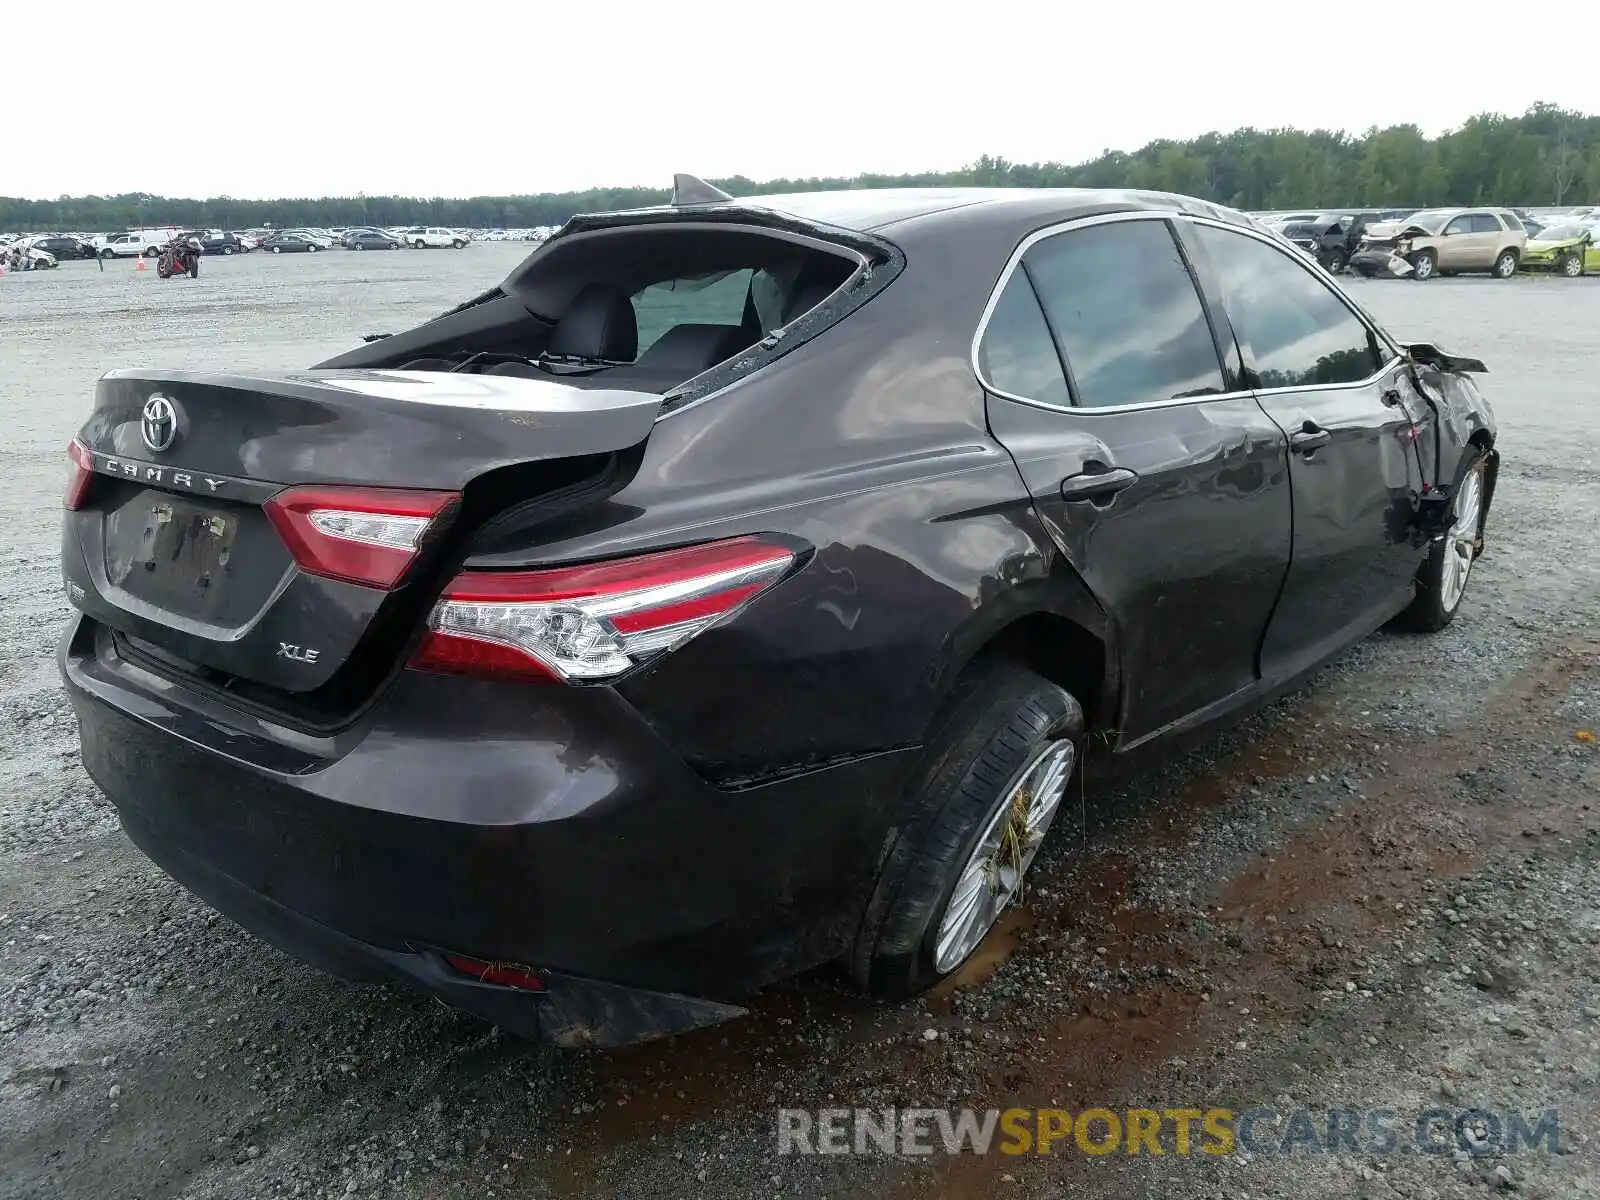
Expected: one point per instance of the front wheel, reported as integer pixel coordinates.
(1442, 579)
(394, 245)
(277, 249)
(418, 244)
(1335, 262)
(227, 249)
(1424, 264)
(1572, 266)
(313, 248)
(999, 762)
(458, 244)
(1506, 265)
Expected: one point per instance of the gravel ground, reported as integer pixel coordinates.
(1379, 893)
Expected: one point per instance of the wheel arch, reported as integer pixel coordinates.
(1053, 626)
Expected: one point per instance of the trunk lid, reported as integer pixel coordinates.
(174, 546)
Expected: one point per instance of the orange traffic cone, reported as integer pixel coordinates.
(141, 263)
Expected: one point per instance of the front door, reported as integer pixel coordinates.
(1342, 398)
(1161, 481)
(1465, 246)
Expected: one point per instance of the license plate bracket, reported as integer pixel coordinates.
(171, 552)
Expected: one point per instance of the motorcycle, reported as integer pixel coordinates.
(180, 256)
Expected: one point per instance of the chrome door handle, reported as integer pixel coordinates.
(1309, 437)
(1097, 485)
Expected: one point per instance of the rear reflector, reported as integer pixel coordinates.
(356, 534)
(596, 621)
(79, 475)
(511, 975)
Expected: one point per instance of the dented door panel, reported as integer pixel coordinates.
(1188, 559)
(1355, 544)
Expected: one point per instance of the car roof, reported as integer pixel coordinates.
(868, 210)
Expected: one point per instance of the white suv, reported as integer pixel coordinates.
(147, 242)
(421, 236)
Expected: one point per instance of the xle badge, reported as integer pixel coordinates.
(298, 653)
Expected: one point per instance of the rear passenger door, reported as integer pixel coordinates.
(1340, 394)
(1160, 479)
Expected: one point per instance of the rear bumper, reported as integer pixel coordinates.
(545, 826)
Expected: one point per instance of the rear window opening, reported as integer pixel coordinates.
(642, 308)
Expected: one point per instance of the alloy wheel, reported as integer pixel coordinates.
(992, 876)
(1461, 543)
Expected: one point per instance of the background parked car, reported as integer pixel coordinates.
(370, 239)
(217, 242)
(292, 243)
(351, 233)
(323, 240)
(1443, 241)
(1332, 237)
(62, 246)
(135, 242)
(1567, 249)
(422, 236)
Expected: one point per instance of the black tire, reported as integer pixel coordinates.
(1430, 609)
(999, 718)
(394, 245)
(1424, 264)
(227, 249)
(1335, 262)
(312, 248)
(1505, 266)
(152, 251)
(458, 244)
(358, 246)
(277, 249)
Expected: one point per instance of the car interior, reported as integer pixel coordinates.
(643, 308)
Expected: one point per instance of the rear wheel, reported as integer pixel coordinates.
(152, 251)
(1505, 266)
(227, 249)
(1000, 760)
(1335, 262)
(1442, 578)
(1424, 264)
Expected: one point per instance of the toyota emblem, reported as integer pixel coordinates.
(159, 423)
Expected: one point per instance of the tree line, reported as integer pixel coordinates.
(1548, 155)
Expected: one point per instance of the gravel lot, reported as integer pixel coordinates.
(1380, 893)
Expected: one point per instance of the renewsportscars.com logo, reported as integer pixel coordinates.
(1263, 1132)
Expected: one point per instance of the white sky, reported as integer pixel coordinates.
(485, 97)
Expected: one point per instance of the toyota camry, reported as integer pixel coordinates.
(737, 586)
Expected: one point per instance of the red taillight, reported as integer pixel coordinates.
(596, 621)
(80, 473)
(356, 534)
(511, 975)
